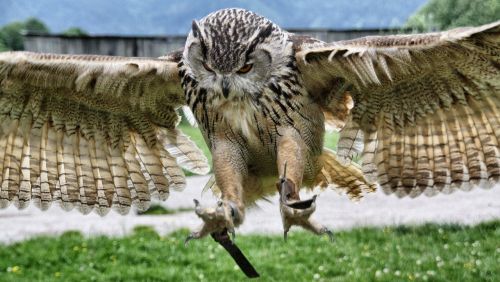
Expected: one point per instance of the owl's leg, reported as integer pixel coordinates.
(294, 211)
(229, 169)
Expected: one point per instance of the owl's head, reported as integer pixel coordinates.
(234, 53)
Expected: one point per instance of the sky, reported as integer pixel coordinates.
(161, 17)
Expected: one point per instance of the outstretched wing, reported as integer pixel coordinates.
(91, 131)
(426, 106)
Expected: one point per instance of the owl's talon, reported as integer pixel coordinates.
(223, 216)
(189, 238)
(329, 233)
(298, 212)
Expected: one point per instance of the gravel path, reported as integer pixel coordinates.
(333, 210)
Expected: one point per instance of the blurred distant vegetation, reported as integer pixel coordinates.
(11, 35)
(75, 31)
(446, 14)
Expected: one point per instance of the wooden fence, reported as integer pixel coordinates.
(155, 46)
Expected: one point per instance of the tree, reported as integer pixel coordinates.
(34, 25)
(75, 31)
(446, 14)
(11, 35)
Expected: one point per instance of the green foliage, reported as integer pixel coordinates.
(11, 35)
(2, 46)
(446, 14)
(75, 31)
(429, 252)
(34, 25)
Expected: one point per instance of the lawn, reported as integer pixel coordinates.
(428, 252)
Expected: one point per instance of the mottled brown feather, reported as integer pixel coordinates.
(78, 128)
(427, 104)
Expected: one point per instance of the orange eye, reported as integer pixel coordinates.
(246, 68)
(207, 67)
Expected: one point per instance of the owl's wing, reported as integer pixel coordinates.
(426, 106)
(91, 131)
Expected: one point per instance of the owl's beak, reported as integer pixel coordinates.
(225, 87)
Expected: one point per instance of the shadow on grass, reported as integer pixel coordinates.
(157, 209)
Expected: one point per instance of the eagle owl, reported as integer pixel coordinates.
(94, 132)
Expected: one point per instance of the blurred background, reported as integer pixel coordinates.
(152, 28)
(444, 238)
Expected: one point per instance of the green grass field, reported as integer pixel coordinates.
(429, 252)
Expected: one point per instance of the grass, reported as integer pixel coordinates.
(429, 252)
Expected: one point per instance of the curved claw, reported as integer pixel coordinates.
(329, 233)
(188, 238)
(233, 234)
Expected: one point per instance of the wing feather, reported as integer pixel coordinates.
(94, 132)
(426, 104)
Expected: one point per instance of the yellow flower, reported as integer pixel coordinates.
(14, 269)
(57, 274)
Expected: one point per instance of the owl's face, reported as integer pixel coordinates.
(234, 53)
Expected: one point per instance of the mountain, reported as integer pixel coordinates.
(160, 17)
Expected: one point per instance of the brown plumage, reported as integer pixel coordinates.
(421, 112)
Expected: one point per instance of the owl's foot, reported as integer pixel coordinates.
(297, 212)
(224, 216)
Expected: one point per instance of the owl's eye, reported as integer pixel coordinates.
(207, 67)
(246, 68)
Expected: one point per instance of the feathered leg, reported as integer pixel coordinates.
(230, 171)
(294, 211)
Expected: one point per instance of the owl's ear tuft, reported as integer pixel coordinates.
(196, 29)
(265, 32)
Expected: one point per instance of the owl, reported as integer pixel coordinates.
(419, 113)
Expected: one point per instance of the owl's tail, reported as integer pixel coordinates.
(348, 178)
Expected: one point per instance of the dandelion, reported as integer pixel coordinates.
(478, 262)
(417, 274)
(476, 244)
(378, 273)
(316, 276)
(440, 264)
(282, 256)
(425, 278)
(211, 256)
(446, 246)
(397, 273)
(14, 269)
(321, 268)
(419, 262)
(386, 270)
(440, 231)
(57, 274)
(431, 272)
(438, 258)
(201, 276)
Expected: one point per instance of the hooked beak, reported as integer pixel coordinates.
(225, 87)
